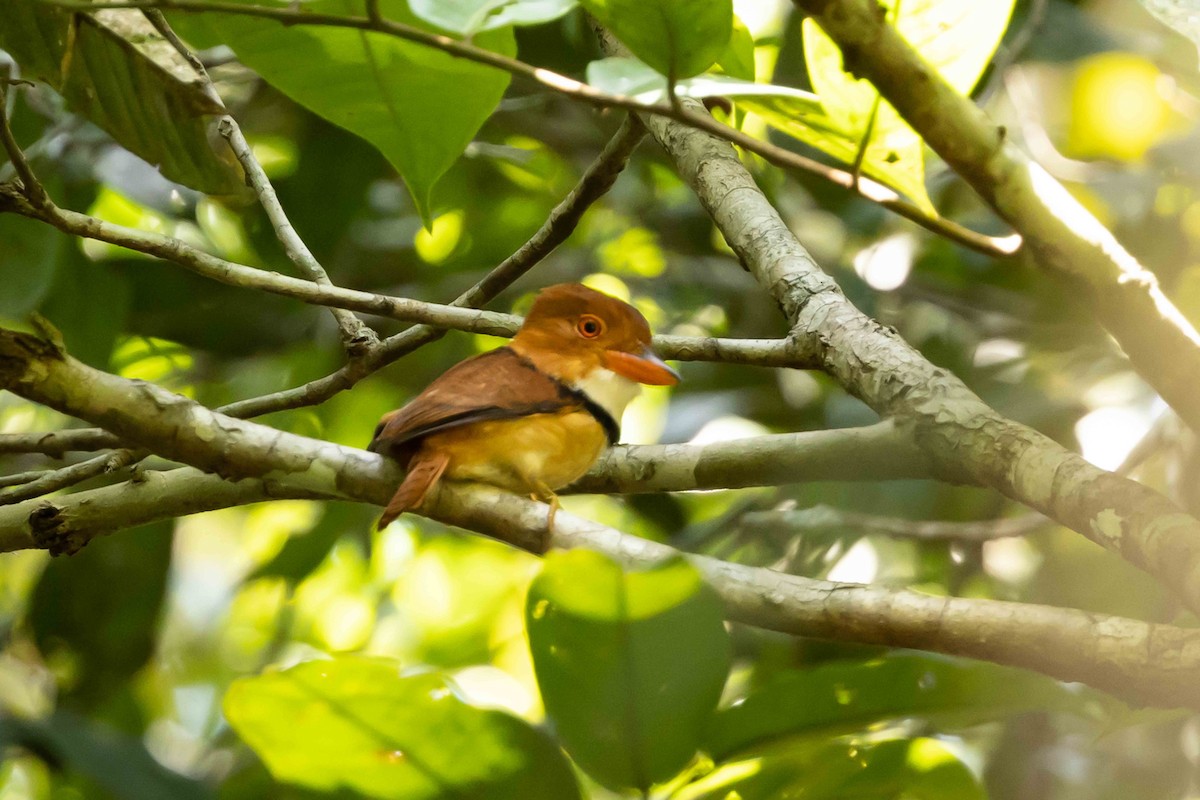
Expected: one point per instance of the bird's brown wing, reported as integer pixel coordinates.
(495, 385)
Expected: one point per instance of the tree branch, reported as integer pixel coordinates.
(779, 156)
(1146, 663)
(790, 522)
(877, 452)
(1143, 663)
(1154, 664)
(753, 351)
(284, 464)
(596, 180)
(56, 443)
(66, 523)
(18, 478)
(823, 518)
(30, 185)
(53, 480)
(1064, 236)
(145, 415)
(357, 338)
(965, 439)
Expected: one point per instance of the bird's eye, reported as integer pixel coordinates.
(589, 326)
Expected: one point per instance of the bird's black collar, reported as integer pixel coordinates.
(612, 430)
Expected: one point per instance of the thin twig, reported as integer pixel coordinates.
(596, 180)
(56, 443)
(779, 156)
(31, 188)
(18, 478)
(823, 518)
(775, 352)
(357, 338)
(63, 478)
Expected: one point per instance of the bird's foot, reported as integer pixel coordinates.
(554, 504)
(546, 495)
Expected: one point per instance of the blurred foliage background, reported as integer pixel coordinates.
(120, 656)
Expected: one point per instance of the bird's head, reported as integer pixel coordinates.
(579, 336)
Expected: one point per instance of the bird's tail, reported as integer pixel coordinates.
(423, 472)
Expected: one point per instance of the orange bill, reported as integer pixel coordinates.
(645, 367)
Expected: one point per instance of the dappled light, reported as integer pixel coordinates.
(596, 399)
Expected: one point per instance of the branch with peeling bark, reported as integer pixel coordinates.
(66, 523)
(963, 437)
(146, 415)
(356, 336)
(1138, 661)
(1141, 662)
(939, 428)
(1063, 235)
(596, 180)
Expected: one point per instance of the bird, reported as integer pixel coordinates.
(531, 416)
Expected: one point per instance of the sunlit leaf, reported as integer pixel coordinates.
(955, 37)
(467, 17)
(355, 723)
(630, 664)
(437, 242)
(418, 105)
(118, 764)
(122, 75)
(631, 77)
(816, 769)
(793, 111)
(842, 696)
(679, 38)
(738, 59)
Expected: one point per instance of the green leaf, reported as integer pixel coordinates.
(89, 304)
(119, 764)
(678, 38)
(123, 76)
(419, 106)
(793, 111)
(355, 723)
(955, 37)
(29, 255)
(815, 769)
(841, 696)
(630, 664)
(633, 78)
(106, 636)
(738, 59)
(467, 17)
